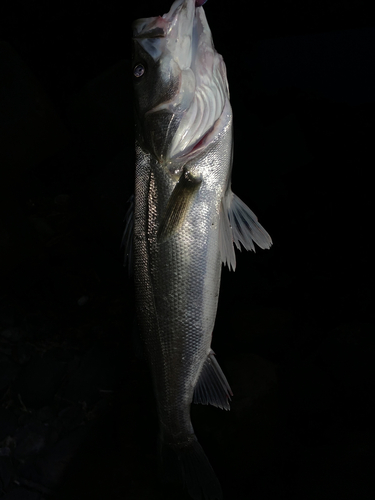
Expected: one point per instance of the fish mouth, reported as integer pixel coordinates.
(180, 42)
(155, 32)
(173, 27)
(158, 27)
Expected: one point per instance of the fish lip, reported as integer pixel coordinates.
(160, 26)
(186, 24)
(156, 32)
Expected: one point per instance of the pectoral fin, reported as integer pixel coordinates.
(179, 204)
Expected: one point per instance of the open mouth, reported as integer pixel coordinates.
(156, 32)
(180, 43)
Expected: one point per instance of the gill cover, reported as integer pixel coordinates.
(183, 88)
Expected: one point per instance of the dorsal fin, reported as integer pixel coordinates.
(239, 224)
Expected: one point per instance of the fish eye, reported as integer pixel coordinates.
(138, 70)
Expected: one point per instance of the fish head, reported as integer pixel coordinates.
(180, 81)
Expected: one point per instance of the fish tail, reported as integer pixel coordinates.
(187, 464)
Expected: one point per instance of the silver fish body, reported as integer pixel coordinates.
(186, 220)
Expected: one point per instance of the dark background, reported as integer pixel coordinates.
(295, 327)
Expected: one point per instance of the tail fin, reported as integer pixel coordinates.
(187, 464)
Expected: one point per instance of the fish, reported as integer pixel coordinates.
(183, 224)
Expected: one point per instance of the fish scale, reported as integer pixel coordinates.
(182, 231)
(177, 284)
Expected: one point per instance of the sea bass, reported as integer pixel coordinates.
(186, 223)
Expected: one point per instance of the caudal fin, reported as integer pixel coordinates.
(188, 465)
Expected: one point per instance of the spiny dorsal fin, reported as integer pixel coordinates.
(212, 386)
(239, 224)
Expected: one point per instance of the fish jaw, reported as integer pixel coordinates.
(187, 86)
(170, 33)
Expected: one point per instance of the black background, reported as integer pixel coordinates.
(295, 326)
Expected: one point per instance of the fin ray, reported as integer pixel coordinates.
(228, 256)
(127, 237)
(178, 204)
(187, 464)
(239, 226)
(245, 226)
(212, 386)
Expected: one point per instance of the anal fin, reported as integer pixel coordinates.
(212, 386)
